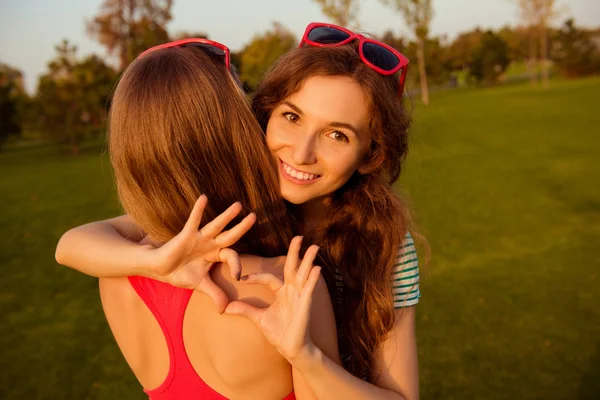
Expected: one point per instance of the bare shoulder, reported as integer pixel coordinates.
(257, 295)
(116, 290)
(120, 302)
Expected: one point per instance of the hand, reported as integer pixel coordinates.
(285, 322)
(185, 260)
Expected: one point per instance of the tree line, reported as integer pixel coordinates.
(73, 95)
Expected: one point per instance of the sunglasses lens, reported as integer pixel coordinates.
(327, 35)
(380, 56)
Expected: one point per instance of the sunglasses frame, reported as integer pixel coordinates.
(182, 42)
(402, 60)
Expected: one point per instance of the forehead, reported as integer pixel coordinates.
(333, 99)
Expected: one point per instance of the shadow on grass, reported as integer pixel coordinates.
(590, 384)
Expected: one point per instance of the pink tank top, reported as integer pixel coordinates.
(168, 305)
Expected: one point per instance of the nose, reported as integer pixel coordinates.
(304, 150)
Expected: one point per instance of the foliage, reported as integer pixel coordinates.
(72, 97)
(461, 52)
(258, 55)
(341, 12)
(128, 27)
(574, 52)
(516, 40)
(490, 59)
(12, 96)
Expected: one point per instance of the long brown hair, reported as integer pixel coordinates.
(179, 127)
(366, 220)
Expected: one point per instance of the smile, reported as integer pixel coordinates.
(296, 176)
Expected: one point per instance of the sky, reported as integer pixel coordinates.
(29, 29)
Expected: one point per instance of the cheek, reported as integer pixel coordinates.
(342, 164)
(274, 136)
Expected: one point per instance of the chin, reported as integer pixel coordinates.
(295, 199)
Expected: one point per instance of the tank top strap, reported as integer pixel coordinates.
(168, 304)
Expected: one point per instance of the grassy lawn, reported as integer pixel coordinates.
(505, 185)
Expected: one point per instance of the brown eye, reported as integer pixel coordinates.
(338, 136)
(292, 117)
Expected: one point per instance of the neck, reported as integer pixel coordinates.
(314, 213)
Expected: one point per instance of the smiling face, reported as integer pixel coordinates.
(320, 136)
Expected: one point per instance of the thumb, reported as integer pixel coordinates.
(243, 309)
(215, 293)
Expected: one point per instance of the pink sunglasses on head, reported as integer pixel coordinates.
(210, 45)
(379, 56)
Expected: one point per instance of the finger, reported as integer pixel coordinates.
(244, 309)
(291, 262)
(306, 266)
(214, 227)
(228, 238)
(215, 293)
(231, 258)
(311, 282)
(193, 222)
(264, 278)
(306, 297)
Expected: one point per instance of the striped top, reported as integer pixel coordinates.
(405, 275)
(404, 279)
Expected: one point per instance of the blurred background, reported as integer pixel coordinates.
(503, 173)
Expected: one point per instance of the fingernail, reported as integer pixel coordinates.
(237, 277)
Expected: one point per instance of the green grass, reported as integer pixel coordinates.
(505, 184)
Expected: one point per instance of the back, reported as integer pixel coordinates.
(227, 354)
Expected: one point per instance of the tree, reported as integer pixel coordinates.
(128, 27)
(418, 15)
(262, 51)
(516, 39)
(490, 59)
(72, 97)
(11, 96)
(342, 12)
(574, 52)
(436, 58)
(461, 52)
(538, 14)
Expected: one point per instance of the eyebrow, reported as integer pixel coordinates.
(299, 111)
(293, 107)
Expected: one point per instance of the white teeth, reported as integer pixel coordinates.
(303, 176)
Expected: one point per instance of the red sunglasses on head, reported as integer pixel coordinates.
(379, 56)
(212, 46)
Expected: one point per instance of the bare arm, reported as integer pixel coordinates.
(396, 362)
(106, 249)
(323, 333)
